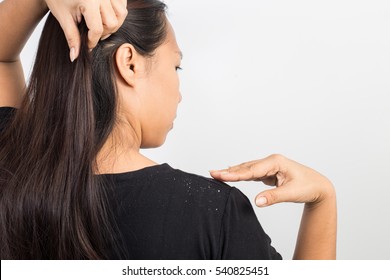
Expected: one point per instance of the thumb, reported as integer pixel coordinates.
(72, 34)
(270, 197)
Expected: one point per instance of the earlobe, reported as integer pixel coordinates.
(126, 60)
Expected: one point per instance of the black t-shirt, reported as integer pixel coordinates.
(165, 213)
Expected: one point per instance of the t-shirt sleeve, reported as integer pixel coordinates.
(6, 113)
(242, 236)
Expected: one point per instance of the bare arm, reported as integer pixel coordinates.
(18, 20)
(318, 231)
(295, 183)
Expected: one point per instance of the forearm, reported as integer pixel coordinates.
(318, 230)
(18, 20)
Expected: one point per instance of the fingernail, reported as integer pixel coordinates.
(261, 201)
(72, 54)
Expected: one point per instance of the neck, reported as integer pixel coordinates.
(121, 152)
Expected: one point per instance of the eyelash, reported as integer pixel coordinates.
(179, 68)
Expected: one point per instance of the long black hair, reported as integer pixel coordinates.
(52, 206)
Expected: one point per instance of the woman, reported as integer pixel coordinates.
(73, 182)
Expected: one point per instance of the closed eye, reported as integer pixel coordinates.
(178, 68)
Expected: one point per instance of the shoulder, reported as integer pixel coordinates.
(162, 185)
(194, 183)
(240, 234)
(202, 192)
(202, 189)
(191, 215)
(206, 188)
(170, 178)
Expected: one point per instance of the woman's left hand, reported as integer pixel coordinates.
(103, 17)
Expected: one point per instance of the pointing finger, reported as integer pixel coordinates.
(258, 170)
(72, 35)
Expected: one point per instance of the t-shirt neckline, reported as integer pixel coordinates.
(143, 170)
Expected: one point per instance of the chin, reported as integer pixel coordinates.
(153, 144)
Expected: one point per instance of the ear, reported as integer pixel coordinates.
(128, 62)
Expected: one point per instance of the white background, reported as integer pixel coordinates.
(306, 79)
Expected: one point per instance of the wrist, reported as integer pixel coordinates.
(326, 195)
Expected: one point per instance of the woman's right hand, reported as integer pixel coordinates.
(103, 17)
(294, 182)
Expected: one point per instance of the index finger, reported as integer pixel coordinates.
(72, 34)
(257, 170)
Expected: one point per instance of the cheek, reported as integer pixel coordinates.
(169, 94)
(160, 109)
(175, 88)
